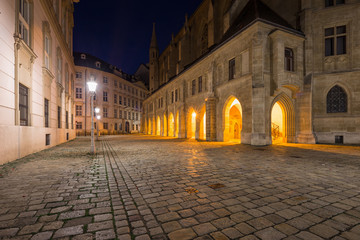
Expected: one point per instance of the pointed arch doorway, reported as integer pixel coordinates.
(232, 120)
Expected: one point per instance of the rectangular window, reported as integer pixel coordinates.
(115, 98)
(115, 126)
(133, 103)
(24, 21)
(105, 96)
(59, 117)
(78, 125)
(120, 100)
(172, 97)
(137, 116)
(115, 113)
(133, 116)
(232, 69)
(105, 112)
(24, 105)
(78, 92)
(47, 51)
(335, 41)
(78, 111)
(200, 83)
(46, 112)
(72, 121)
(137, 104)
(105, 79)
(124, 101)
(105, 126)
(78, 75)
(120, 114)
(125, 115)
(120, 85)
(67, 120)
(193, 87)
(47, 139)
(115, 83)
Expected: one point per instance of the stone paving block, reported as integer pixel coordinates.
(288, 213)
(182, 234)
(95, 211)
(72, 214)
(87, 236)
(52, 225)
(300, 223)
(8, 232)
(286, 229)
(60, 209)
(105, 234)
(42, 236)
(219, 236)
(48, 218)
(307, 235)
(30, 229)
(27, 214)
(324, 231)
(139, 231)
(78, 221)
(125, 237)
(204, 228)
(188, 222)
(240, 217)
(223, 223)
(232, 233)
(168, 217)
(270, 234)
(260, 223)
(8, 216)
(205, 217)
(63, 232)
(92, 227)
(171, 226)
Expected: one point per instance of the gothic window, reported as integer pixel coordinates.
(336, 100)
(289, 59)
(200, 83)
(329, 3)
(204, 39)
(232, 69)
(335, 41)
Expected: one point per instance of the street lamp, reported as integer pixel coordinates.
(92, 88)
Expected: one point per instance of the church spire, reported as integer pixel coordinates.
(153, 38)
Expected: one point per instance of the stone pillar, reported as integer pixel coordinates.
(211, 119)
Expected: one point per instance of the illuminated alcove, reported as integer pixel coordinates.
(233, 121)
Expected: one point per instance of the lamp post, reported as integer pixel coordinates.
(97, 126)
(92, 88)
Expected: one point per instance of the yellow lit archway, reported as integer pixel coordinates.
(191, 124)
(158, 126)
(149, 127)
(171, 125)
(282, 120)
(232, 120)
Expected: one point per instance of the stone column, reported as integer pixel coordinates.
(211, 119)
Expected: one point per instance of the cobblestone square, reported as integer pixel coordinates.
(145, 187)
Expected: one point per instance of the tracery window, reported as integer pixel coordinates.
(336, 100)
(289, 59)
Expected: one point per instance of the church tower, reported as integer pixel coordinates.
(154, 63)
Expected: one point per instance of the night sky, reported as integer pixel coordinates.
(119, 31)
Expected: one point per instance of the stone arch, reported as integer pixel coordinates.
(287, 119)
(158, 126)
(171, 125)
(232, 123)
(191, 123)
(202, 118)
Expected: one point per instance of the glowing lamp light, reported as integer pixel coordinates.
(97, 110)
(98, 117)
(194, 114)
(92, 86)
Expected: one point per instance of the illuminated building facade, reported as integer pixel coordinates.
(259, 72)
(37, 75)
(119, 97)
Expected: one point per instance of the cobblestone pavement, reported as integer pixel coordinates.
(142, 187)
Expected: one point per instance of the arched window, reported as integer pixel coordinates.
(336, 100)
(289, 59)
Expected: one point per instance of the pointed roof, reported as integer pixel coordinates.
(153, 43)
(255, 10)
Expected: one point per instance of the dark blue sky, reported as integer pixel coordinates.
(119, 31)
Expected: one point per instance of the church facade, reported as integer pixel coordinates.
(259, 72)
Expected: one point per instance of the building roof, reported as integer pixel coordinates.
(90, 62)
(255, 10)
